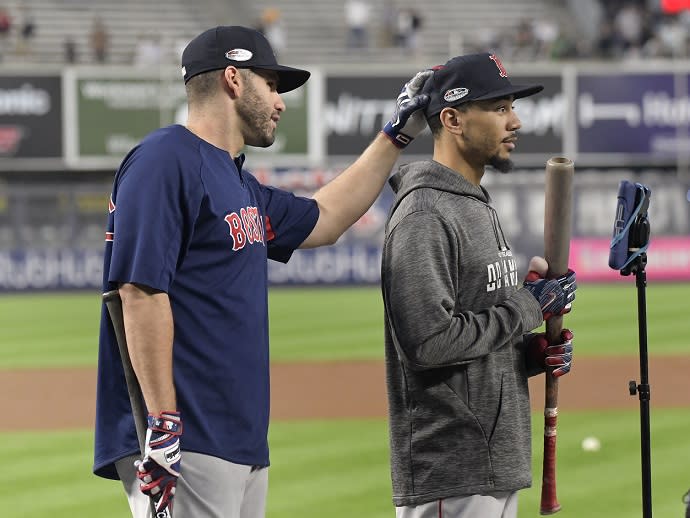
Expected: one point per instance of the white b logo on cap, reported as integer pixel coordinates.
(454, 94)
(239, 55)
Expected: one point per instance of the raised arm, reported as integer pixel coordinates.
(347, 197)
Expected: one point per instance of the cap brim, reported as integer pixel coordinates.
(288, 78)
(517, 91)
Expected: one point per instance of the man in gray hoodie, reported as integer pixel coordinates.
(457, 327)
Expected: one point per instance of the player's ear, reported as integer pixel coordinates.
(233, 81)
(451, 120)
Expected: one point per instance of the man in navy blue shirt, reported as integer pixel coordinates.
(188, 237)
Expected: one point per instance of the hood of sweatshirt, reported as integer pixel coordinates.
(431, 174)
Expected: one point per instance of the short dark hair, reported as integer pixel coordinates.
(434, 122)
(202, 86)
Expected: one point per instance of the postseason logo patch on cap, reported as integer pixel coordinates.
(239, 55)
(454, 94)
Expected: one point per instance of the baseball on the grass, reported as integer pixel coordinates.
(591, 444)
(539, 265)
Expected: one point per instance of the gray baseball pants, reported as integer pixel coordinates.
(495, 505)
(208, 487)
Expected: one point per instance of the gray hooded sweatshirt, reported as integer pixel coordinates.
(456, 366)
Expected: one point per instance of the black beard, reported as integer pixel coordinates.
(502, 165)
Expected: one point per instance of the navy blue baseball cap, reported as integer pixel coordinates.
(240, 47)
(473, 77)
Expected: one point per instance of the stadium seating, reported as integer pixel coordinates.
(174, 21)
(316, 32)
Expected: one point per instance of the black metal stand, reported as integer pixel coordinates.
(642, 389)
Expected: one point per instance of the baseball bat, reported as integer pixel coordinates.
(557, 230)
(113, 303)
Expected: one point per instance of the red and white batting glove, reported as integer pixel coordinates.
(160, 467)
(555, 296)
(558, 356)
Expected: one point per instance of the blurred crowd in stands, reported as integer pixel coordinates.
(624, 30)
(16, 32)
(400, 27)
(615, 30)
(634, 29)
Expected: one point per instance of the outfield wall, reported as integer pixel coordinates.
(598, 114)
(51, 237)
(616, 121)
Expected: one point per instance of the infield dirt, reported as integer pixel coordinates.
(65, 398)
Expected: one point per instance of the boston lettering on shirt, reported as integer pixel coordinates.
(245, 227)
(186, 219)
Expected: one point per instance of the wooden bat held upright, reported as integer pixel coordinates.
(557, 230)
(113, 303)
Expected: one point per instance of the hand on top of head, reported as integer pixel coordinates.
(408, 119)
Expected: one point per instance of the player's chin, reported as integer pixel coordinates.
(501, 163)
(265, 140)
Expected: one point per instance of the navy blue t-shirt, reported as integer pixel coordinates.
(184, 218)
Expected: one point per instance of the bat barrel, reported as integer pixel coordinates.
(558, 210)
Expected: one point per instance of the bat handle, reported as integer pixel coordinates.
(549, 500)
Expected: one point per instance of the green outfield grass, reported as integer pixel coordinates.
(339, 469)
(56, 330)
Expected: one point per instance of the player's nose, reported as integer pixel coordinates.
(279, 104)
(514, 123)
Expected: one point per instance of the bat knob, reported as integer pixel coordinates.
(552, 510)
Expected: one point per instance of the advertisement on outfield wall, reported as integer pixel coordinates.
(356, 257)
(66, 269)
(668, 259)
(519, 200)
(633, 117)
(30, 116)
(115, 114)
(357, 107)
(632, 114)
